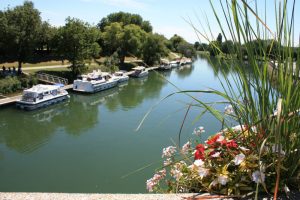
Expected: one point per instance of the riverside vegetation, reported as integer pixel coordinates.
(257, 149)
(115, 36)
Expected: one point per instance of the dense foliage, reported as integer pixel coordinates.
(77, 43)
(24, 37)
(13, 84)
(19, 31)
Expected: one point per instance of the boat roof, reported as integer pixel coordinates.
(40, 88)
(138, 68)
(105, 74)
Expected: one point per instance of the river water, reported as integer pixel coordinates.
(90, 145)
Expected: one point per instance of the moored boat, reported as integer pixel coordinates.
(139, 72)
(174, 64)
(165, 66)
(121, 76)
(95, 82)
(40, 96)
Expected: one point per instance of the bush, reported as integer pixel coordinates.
(13, 84)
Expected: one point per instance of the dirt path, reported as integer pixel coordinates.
(45, 67)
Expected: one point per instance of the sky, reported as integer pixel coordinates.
(168, 17)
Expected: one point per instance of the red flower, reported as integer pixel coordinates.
(199, 154)
(213, 139)
(231, 144)
(200, 147)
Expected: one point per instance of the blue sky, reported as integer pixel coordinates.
(166, 16)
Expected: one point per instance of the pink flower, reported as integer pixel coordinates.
(216, 155)
(239, 159)
(186, 147)
(168, 151)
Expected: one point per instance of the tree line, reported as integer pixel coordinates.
(260, 48)
(25, 37)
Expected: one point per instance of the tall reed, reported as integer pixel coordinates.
(267, 102)
(269, 99)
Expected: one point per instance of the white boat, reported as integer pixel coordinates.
(188, 61)
(94, 82)
(174, 64)
(164, 66)
(40, 96)
(121, 76)
(139, 72)
(185, 61)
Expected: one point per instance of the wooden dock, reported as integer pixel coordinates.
(9, 100)
(52, 80)
(148, 69)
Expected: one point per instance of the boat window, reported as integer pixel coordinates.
(40, 96)
(54, 92)
(29, 97)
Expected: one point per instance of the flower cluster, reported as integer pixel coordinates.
(228, 162)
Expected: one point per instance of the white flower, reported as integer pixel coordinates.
(199, 130)
(186, 147)
(223, 179)
(221, 138)
(216, 155)
(258, 177)
(203, 172)
(163, 172)
(244, 149)
(168, 161)
(199, 163)
(239, 128)
(229, 110)
(215, 182)
(254, 129)
(168, 151)
(276, 149)
(176, 174)
(239, 159)
(150, 184)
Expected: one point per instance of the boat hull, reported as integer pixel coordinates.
(140, 75)
(33, 106)
(97, 87)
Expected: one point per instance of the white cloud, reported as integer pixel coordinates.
(121, 3)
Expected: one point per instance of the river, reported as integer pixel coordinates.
(89, 144)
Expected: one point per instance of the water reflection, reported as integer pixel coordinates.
(27, 131)
(185, 71)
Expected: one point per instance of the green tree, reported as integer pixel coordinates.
(45, 37)
(112, 36)
(175, 41)
(186, 49)
(125, 19)
(219, 38)
(214, 48)
(154, 48)
(19, 31)
(197, 45)
(77, 43)
(126, 40)
(227, 47)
